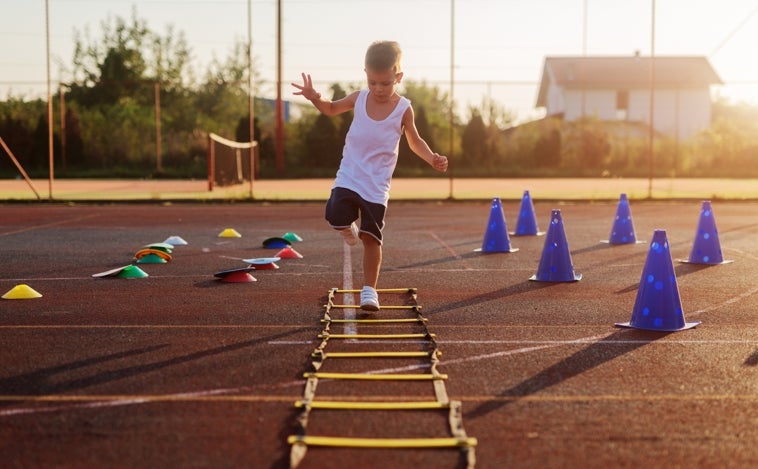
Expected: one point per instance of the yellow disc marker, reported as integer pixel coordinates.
(21, 292)
(229, 233)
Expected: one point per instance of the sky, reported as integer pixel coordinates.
(497, 47)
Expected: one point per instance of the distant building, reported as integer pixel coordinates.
(618, 89)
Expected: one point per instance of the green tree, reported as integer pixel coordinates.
(113, 66)
(547, 149)
(39, 149)
(18, 119)
(474, 142)
(323, 144)
(315, 142)
(519, 143)
(436, 111)
(114, 92)
(222, 98)
(587, 147)
(497, 118)
(729, 145)
(74, 142)
(346, 118)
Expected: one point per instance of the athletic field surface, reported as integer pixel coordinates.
(469, 363)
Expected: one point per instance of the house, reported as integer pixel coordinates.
(618, 89)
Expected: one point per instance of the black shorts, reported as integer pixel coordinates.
(344, 207)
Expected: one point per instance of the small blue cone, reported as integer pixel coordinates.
(706, 249)
(658, 306)
(496, 237)
(622, 231)
(526, 225)
(555, 263)
(276, 242)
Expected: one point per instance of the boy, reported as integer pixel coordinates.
(362, 184)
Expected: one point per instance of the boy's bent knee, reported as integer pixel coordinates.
(369, 239)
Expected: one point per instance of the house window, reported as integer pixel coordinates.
(622, 104)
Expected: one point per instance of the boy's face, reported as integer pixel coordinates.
(382, 83)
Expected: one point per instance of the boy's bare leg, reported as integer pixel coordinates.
(372, 260)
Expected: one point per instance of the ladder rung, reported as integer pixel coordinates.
(374, 336)
(358, 405)
(374, 321)
(380, 290)
(376, 377)
(381, 307)
(449, 442)
(374, 355)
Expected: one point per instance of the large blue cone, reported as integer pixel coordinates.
(622, 231)
(658, 306)
(555, 263)
(526, 225)
(706, 249)
(496, 237)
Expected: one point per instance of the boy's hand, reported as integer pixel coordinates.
(439, 162)
(306, 90)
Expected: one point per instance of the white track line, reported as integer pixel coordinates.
(486, 356)
(590, 341)
(666, 341)
(535, 346)
(74, 402)
(449, 249)
(726, 303)
(47, 225)
(347, 284)
(187, 396)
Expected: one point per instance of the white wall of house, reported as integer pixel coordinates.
(600, 104)
(678, 113)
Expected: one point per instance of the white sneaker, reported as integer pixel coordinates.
(369, 299)
(350, 234)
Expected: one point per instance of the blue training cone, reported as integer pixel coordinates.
(658, 306)
(555, 263)
(706, 249)
(622, 231)
(496, 237)
(526, 225)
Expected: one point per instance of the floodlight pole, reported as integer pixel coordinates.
(451, 110)
(158, 152)
(49, 102)
(584, 54)
(651, 130)
(62, 94)
(279, 125)
(251, 97)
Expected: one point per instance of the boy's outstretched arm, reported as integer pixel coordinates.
(419, 146)
(329, 108)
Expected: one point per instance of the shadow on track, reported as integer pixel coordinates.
(598, 353)
(43, 382)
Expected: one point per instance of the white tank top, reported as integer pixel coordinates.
(370, 153)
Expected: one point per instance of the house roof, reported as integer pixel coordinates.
(624, 73)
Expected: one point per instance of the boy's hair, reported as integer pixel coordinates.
(384, 55)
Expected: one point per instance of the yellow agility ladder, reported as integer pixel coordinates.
(457, 439)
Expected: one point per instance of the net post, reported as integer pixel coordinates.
(225, 156)
(211, 158)
(253, 164)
